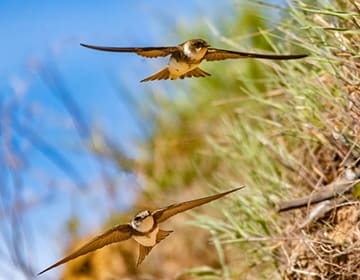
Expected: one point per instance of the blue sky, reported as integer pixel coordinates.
(48, 33)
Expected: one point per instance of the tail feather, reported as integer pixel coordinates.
(163, 74)
(143, 252)
(197, 72)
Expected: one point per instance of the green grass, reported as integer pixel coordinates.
(284, 145)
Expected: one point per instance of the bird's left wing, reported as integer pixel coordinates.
(149, 52)
(116, 234)
(163, 214)
(218, 54)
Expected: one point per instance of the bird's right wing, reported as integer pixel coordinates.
(116, 234)
(149, 52)
(165, 213)
(218, 54)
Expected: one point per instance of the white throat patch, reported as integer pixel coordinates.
(187, 51)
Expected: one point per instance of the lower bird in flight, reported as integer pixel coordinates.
(143, 228)
(185, 58)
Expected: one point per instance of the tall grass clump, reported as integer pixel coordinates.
(296, 135)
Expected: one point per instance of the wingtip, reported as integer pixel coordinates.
(296, 56)
(43, 271)
(88, 46)
(51, 267)
(238, 188)
(232, 190)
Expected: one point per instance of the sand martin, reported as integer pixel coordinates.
(185, 58)
(143, 228)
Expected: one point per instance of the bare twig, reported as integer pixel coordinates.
(329, 191)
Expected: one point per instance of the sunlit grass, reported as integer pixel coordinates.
(276, 144)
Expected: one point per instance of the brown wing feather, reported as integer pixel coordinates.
(116, 234)
(218, 54)
(197, 72)
(165, 213)
(163, 74)
(147, 51)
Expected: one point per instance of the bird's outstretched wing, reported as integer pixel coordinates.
(116, 234)
(165, 213)
(147, 51)
(218, 54)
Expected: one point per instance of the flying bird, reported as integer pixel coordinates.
(143, 228)
(185, 58)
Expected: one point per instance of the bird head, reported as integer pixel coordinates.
(195, 48)
(198, 44)
(143, 221)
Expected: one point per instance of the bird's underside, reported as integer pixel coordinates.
(145, 250)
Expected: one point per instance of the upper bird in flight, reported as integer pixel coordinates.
(185, 58)
(143, 228)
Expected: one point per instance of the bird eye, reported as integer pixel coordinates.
(138, 218)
